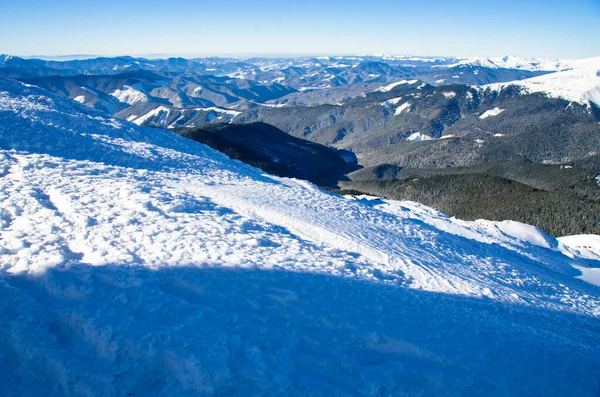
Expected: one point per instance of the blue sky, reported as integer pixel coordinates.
(551, 29)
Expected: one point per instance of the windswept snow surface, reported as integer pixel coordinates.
(136, 262)
(580, 84)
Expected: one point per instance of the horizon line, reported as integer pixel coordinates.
(274, 55)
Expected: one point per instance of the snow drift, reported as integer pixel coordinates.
(135, 262)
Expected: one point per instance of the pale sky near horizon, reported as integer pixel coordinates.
(530, 28)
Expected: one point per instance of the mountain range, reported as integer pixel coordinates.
(395, 116)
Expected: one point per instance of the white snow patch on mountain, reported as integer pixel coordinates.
(196, 91)
(449, 94)
(161, 111)
(389, 87)
(580, 84)
(514, 62)
(134, 261)
(402, 108)
(79, 98)
(129, 95)
(273, 105)
(418, 137)
(230, 113)
(534, 64)
(490, 113)
(392, 101)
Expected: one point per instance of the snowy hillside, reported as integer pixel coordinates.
(580, 84)
(514, 62)
(136, 262)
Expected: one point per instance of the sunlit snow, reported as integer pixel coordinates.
(136, 262)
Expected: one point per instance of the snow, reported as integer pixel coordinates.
(527, 233)
(129, 95)
(196, 91)
(134, 261)
(402, 108)
(389, 87)
(580, 84)
(588, 245)
(79, 98)
(229, 113)
(313, 88)
(514, 62)
(418, 137)
(161, 111)
(392, 101)
(273, 105)
(585, 246)
(449, 94)
(491, 113)
(534, 64)
(395, 101)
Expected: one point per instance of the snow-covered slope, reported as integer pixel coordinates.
(391, 86)
(579, 84)
(136, 262)
(515, 62)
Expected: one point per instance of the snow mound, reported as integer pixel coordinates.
(527, 233)
(134, 261)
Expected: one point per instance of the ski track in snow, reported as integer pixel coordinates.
(133, 260)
